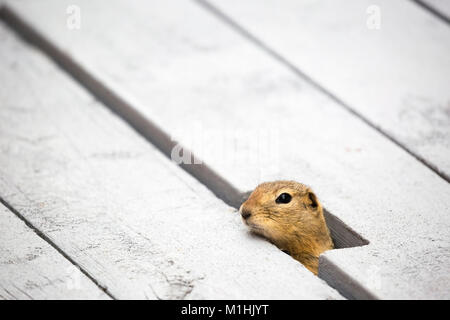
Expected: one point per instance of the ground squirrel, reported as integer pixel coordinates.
(289, 215)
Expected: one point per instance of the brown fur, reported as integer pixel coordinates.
(297, 227)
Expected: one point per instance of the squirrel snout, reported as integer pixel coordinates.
(245, 213)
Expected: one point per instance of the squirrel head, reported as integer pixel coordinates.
(289, 215)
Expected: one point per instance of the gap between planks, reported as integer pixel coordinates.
(434, 11)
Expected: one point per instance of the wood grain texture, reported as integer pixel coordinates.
(396, 76)
(137, 223)
(31, 269)
(187, 71)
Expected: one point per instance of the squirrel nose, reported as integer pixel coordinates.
(245, 213)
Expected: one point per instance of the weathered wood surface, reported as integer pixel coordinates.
(397, 77)
(32, 269)
(132, 219)
(183, 68)
(441, 7)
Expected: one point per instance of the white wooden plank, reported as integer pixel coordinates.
(137, 223)
(442, 7)
(181, 67)
(32, 269)
(396, 76)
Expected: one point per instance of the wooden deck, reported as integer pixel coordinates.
(93, 207)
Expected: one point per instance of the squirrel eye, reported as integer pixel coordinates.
(284, 198)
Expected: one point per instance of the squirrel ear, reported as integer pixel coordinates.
(314, 202)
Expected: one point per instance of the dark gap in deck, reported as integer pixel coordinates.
(260, 44)
(343, 236)
(343, 282)
(434, 11)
